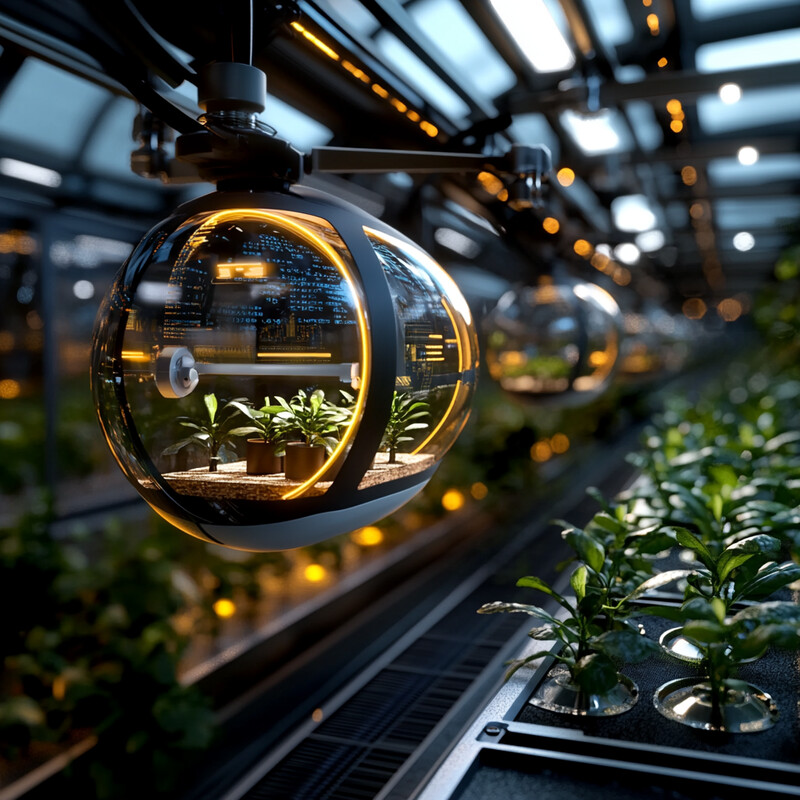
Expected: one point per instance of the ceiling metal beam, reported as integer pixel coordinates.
(658, 88)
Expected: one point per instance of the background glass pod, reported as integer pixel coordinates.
(243, 296)
(555, 342)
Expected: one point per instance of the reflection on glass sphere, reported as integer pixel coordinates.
(554, 341)
(274, 369)
(643, 352)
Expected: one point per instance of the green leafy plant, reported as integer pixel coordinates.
(266, 422)
(595, 629)
(93, 651)
(314, 418)
(405, 416)
(725, 642)
(744, 570)
(213, 433)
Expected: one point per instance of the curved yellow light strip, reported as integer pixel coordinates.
(451, 294)
(442, 421)
(361, 318)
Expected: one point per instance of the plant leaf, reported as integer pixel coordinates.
(532, 582)
(211, 404)
(736, 554)
(654, 582)
(595, 673)
(578, 582)
(533, 611)
(589, 550)
(686, 538)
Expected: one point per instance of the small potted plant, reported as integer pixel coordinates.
(720, 701)
(318, 422)
(405, 415)
(214, 433)
(264, 453)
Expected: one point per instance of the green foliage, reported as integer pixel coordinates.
(595, 628)
(213, 433)
(405, 416)
(91, 648)
(725, 642)
(315, 419)
(266, 424)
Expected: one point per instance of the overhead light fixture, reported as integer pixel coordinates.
(650, 241)
(627, 253)
(632, 213)
(33, 173)
(747, 155)
(601, 132)
(730, 93)
(533, 27)
(744, 241)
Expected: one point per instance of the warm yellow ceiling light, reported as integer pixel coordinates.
(582, 248)
(551, 225)
(694, 308)
(565, 176)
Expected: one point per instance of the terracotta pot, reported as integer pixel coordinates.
(261, 458)
(303, 460)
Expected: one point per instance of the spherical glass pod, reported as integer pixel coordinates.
(554, 342)
(291, 318)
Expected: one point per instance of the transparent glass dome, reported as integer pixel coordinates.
(270, 375)
(554, 341)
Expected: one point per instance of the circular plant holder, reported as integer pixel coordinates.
(558, 693)
(675, 644)
(688, 702)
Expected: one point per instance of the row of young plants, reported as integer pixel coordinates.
(713, 518)
(280, 428)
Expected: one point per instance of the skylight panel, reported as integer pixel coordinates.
(539, 28)
(714, 9)
(645, 125)
(729, 172)
(300, 129)
(755, 212)
(420, 77)
(454, 31)
(779, 47)
(612, 21)
(358, 18)
(48, 108)
(109, 150)
(595, 134)
(758, 107)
